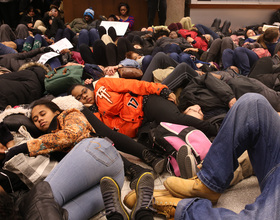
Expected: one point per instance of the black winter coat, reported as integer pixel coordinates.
(21, 87)
(14, 61)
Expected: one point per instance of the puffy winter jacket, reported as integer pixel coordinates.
(120, 102)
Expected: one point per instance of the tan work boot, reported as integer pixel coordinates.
(189, 188)
(163, 202)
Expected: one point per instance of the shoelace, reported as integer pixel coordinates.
(147, 198)
(148, 156)
(108, 203)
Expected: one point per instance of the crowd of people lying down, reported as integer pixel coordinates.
(61, 150)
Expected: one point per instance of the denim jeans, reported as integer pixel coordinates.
(88, 37)
(183, 58)
(6, 50)
(75, 180)
(241, 57)
(253, 125)
(205, 30)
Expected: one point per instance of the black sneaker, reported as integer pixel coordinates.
(156, 162)
(144, 194)
(133, 173)
(111, 194)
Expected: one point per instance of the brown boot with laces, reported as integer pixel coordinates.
(190, 188)
(164, 203)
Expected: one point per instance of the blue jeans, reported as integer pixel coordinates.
(205, 30)
(241, 57)
(253, 125)
(75, 180)
(183, 57)
(6, 50)
(88, 37)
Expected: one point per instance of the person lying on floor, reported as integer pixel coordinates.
(250, 125)
(126, 105)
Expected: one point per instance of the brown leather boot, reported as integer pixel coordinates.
(189, 188)
(163, 202)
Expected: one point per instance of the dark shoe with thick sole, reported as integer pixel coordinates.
(111, 194)
(144, 194)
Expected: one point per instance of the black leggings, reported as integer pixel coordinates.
(97, 56)
(106, 55)
(159, 110)
(121, 142)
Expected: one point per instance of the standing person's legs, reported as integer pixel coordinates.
(162, 8)
(160, 60)
(152, 8)
(256, 131)
(75, 180)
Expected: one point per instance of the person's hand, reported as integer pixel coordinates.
(231, 102)
(190, 39)
(73, 64)
(64, 51)
(88, 81)
(118, 17)
(191, 49)
(111, 70)
(68, 26)
(172, 97)
(200, 72)
(49, 41)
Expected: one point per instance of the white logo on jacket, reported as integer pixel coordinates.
(102, 93)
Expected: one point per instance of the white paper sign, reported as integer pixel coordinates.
(120, 27)
(45, 57)
(61, 44)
